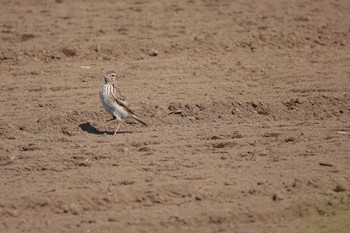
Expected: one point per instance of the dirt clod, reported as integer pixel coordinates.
(69, 52)
(153, 52)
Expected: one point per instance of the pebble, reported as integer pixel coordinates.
(112, 219)
(277, 197)
(145, 149)
(69, 52)
(252, 142)
(75, 209)
(339, 188)
(153, 52)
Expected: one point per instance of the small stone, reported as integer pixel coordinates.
(251, 191)
(34, 73)
(179, 111)
(237, 134)
(192, 118)
(141, 57)
(252, 142)
(277, 197)
(326, 164)
(200, 107)
(153, 52)
(75, 209)
(112, 219)
(236, 111)
(290, 139)
(148, 179)
(145, 149)
(127, 182)
(69, 52)
(97, 48)
(254, 105)
(339, 188)
(26, 36)
(65, 208)
(298, 101)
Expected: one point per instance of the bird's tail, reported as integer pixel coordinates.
(139, 120)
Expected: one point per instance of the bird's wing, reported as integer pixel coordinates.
(125, 105)
(121, 100)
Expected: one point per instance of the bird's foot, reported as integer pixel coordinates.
(115, 132)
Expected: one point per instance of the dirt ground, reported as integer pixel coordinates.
(247, 101)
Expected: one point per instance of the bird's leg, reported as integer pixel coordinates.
(114, 117)
(115, 132)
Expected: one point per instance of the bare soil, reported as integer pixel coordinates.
(247, 101)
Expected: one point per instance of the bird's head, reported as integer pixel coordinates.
(110, 77)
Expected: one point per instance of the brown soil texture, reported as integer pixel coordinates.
(247, 101)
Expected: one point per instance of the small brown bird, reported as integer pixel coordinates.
(114, 102)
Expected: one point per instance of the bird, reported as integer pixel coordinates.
(115, 103)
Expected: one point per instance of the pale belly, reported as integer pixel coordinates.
(112, 107)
